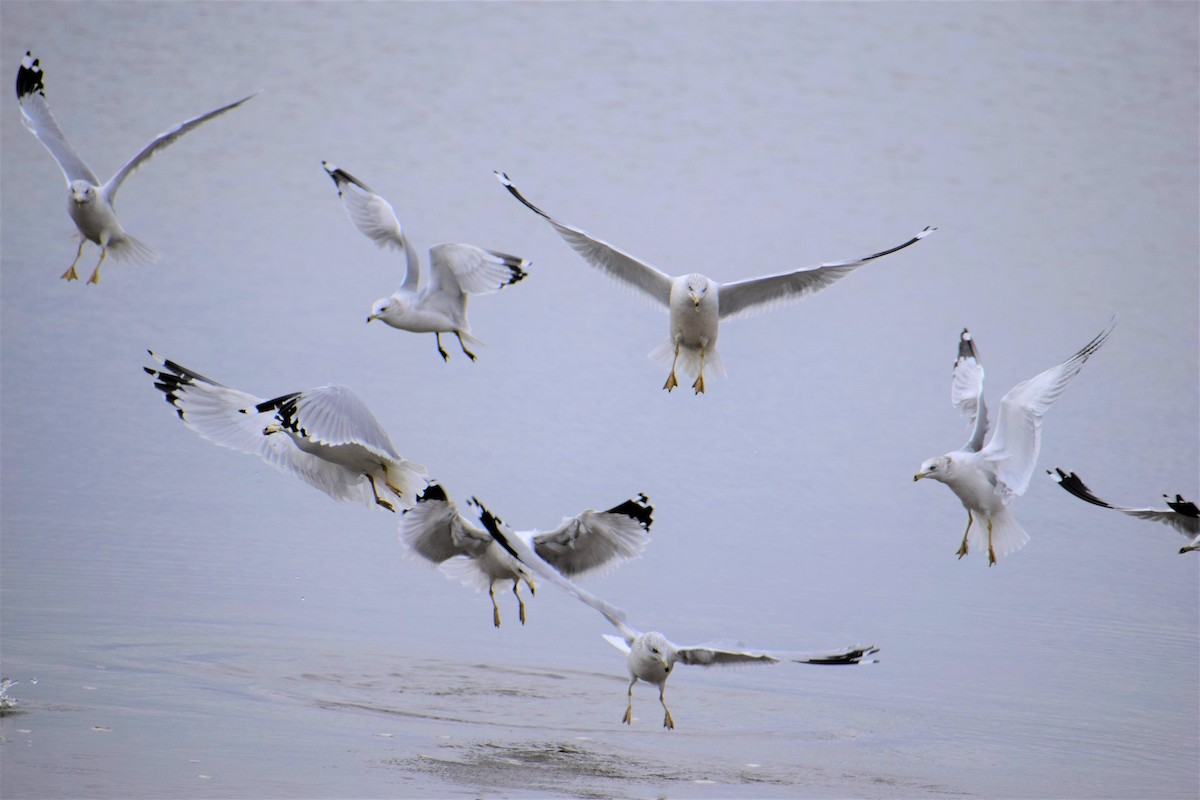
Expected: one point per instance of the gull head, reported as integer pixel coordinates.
(386, 307)
(82, 192)
(656, 653)
(697, 287)
(936, 468)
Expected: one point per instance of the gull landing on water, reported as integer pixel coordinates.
(456, 271)
(987, 477)
(696, 303)
(325, 436)
(1180, 514)
(651, 657)
(89, 203)
(436, 531)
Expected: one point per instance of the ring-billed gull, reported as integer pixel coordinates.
(435, 530)
(696, 303)
(987, 477)
(89, 202)
(455, 270)
(1180, 514)
(325, 436)
(651, 656)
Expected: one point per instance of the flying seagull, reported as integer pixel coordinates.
(326, 436)
(435, 530)
(1180, 514)
(987, 477)
(696, 303)
(89, 202)
(651, 656)
(455, 270)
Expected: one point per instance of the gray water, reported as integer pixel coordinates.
(184, 621)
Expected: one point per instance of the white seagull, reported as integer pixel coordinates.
(435, 530)
(1180, 514)
(652, 656)
(696, 303)
(326, 436)
(455, 270)
(89, 202)
(987, 477)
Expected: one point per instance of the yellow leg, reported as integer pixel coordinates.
(442, 350)
(520, 602)
(962, 550)
(71, 274)
(991, 552)
(96, 272)
(379, 499)
(495, 608)
(671, 380)
(699, 384)
(668, 723)
(628, 718)
(467, 352)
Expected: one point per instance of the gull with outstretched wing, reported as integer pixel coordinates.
(1180, 514)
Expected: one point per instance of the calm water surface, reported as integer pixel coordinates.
(185, 622)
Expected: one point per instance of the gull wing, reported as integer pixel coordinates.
(1014, 446)
(966, 390)
(332, 415)
(162, 141)
(1185, 523)
(595, 539)
(717, 655)
(741, 296)
(523, 551)
(457, 269)
(35, 113)
(435, 530)
(230, 418)
(374, 218)
(604, 256)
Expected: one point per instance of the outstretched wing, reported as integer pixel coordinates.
(232, 418)
(1187, 524)
(596, 539)
(465, 269)
(162, 141)
(714, 655)
(332, 415)
(966, 390)
(744, 295)
(434, 529)
(375, 218)
(1014, 446)
(604, 256)
(35, 113)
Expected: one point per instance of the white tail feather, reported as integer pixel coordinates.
(1007, 534)
(689, 359)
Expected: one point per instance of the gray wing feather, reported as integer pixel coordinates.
(741, 296)
(334, 415)
(163, 140)
(1187, 525)
(603, 256)
(35, 114)
(596, 539)
(966, 390)
(463, 268)
(435, 530)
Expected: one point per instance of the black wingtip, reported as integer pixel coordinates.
(966, 347)
(1183, 507)
(29, 77)
(433, 491)
(638, 508)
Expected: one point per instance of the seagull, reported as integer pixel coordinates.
(455, 270)
(651, 656)
(1180, 514)
(435, 530)
(89, 202)
(697, 304)
(987, 477)
(326, 436)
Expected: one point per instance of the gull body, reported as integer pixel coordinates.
(89, 202)
(1179, 514)
(986, 478)
(325, 436)
(650, 656)
(591, 540)
(696, 303)
(456, 271)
